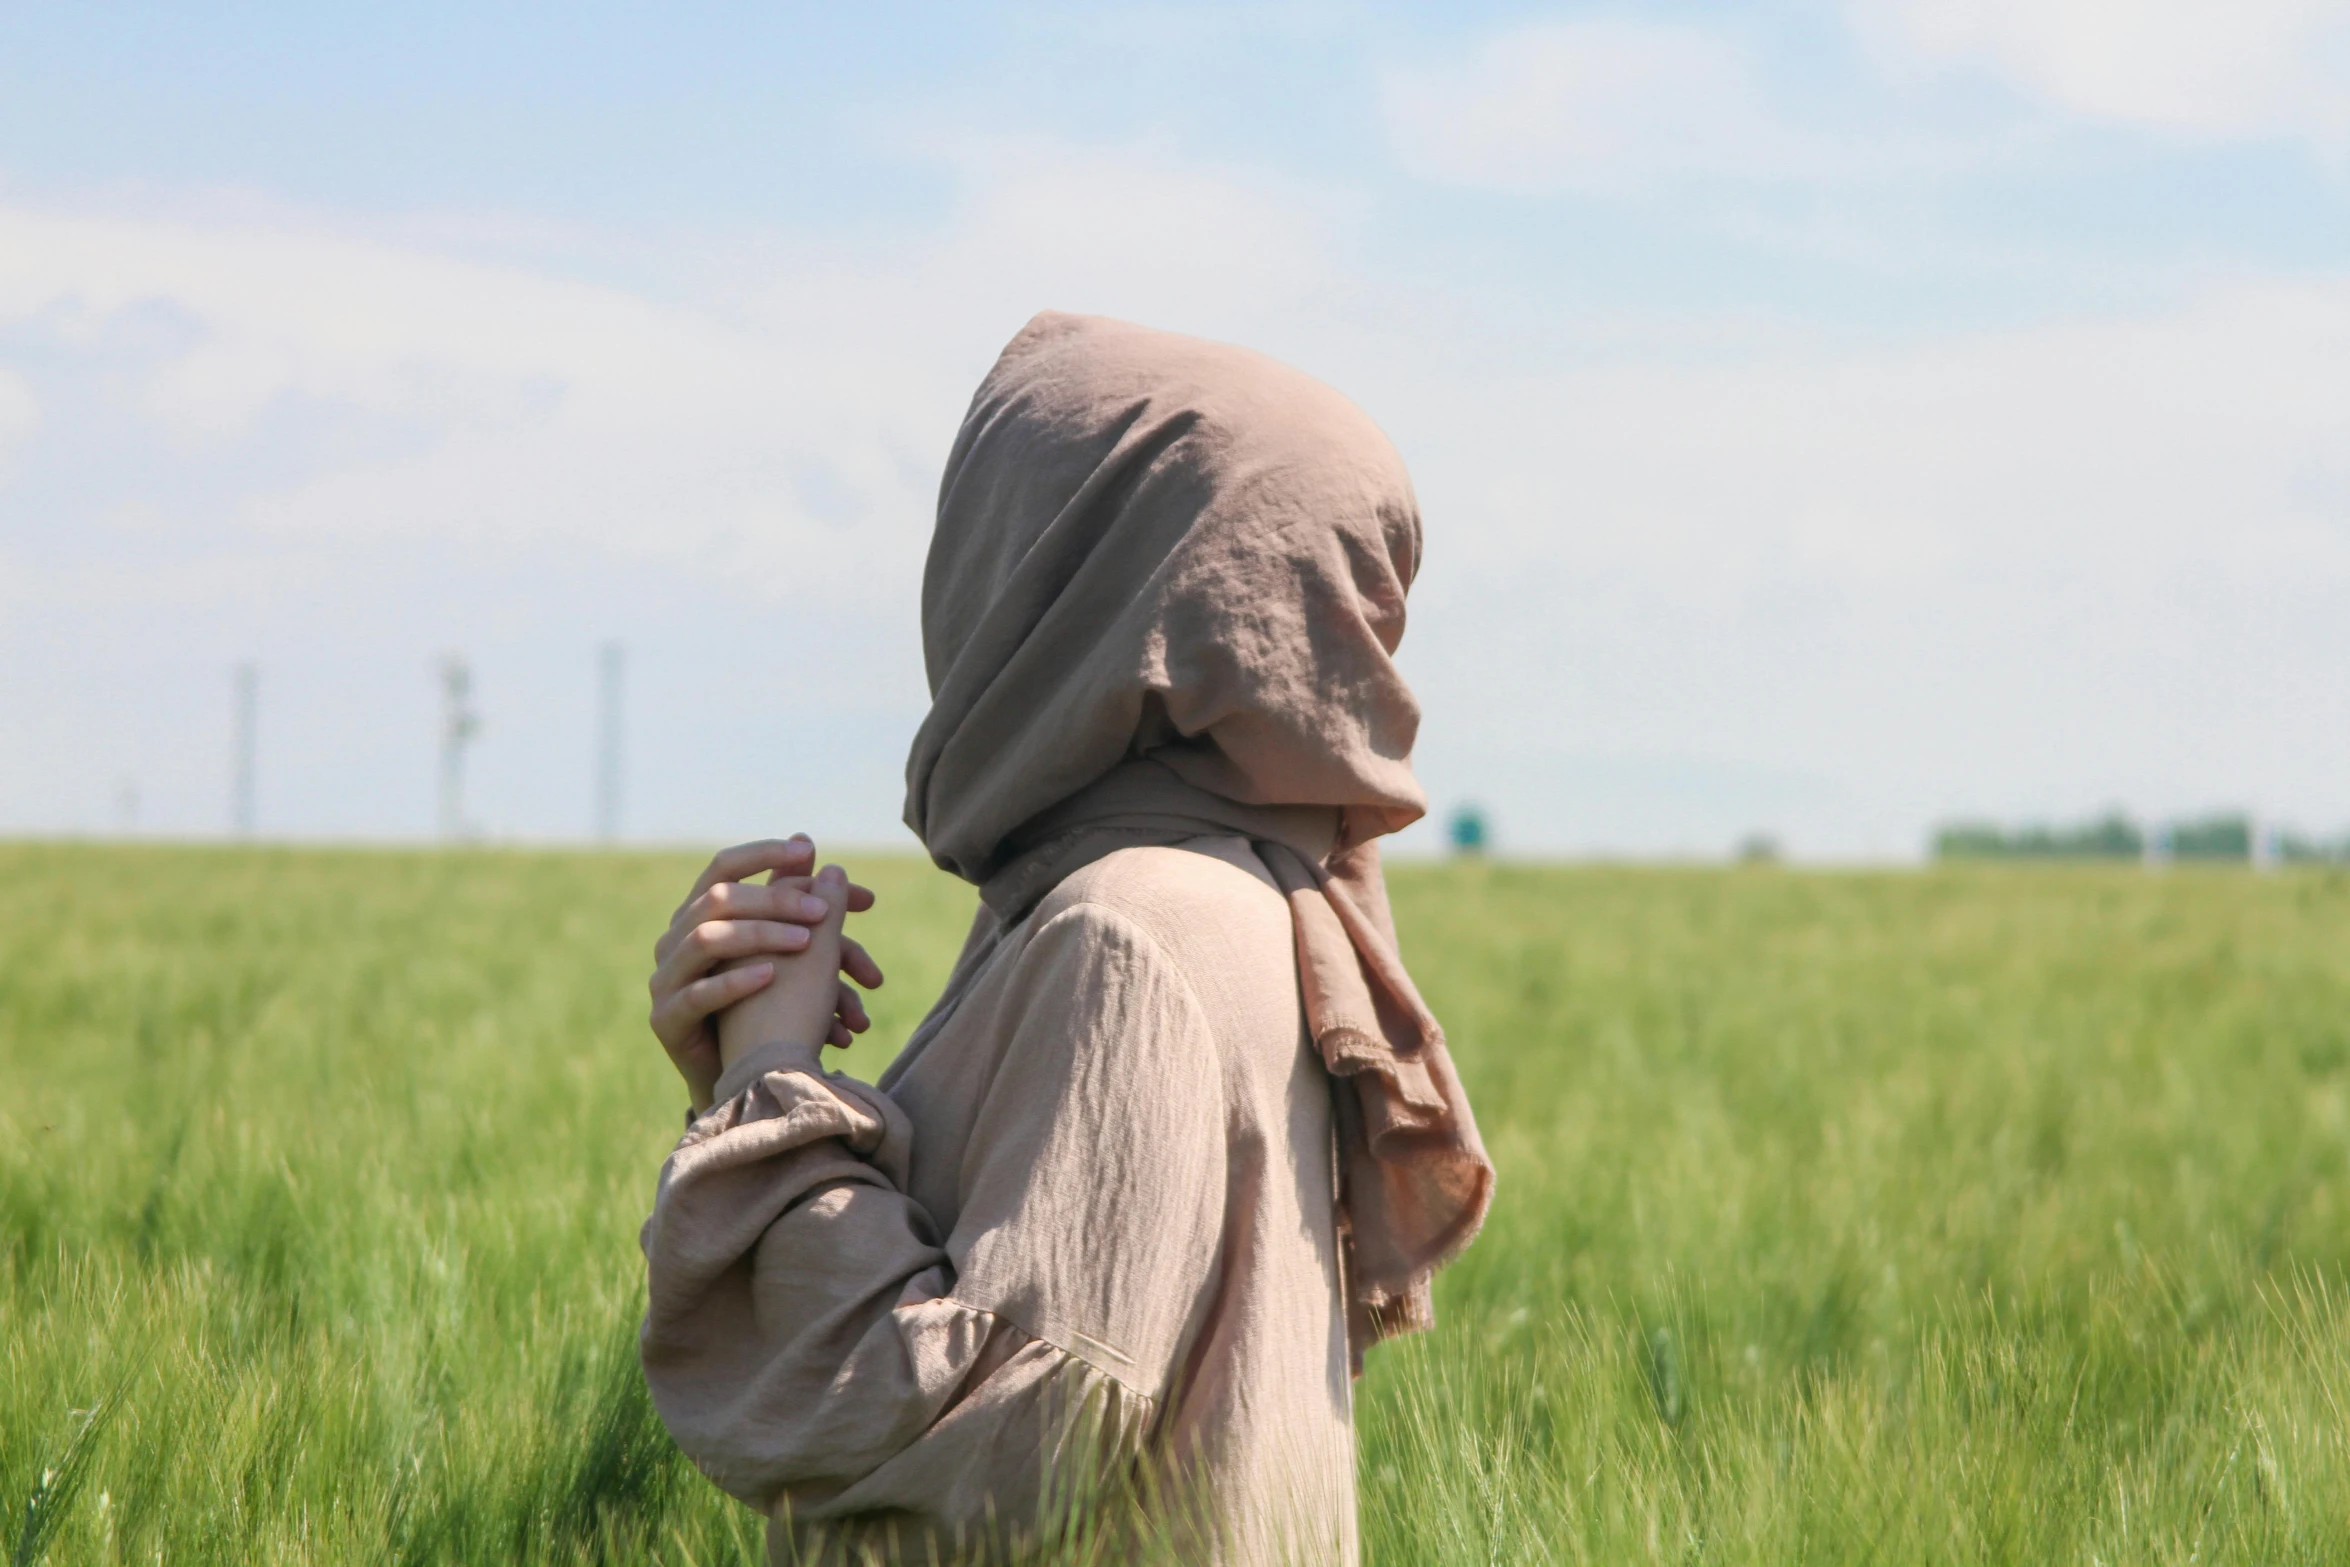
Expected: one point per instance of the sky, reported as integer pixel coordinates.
(1830, 419)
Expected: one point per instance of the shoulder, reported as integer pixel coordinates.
(1206, 911)
(1170, 894)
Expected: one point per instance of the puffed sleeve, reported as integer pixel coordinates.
(811, 1339)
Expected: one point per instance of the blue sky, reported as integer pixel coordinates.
(1830, 418)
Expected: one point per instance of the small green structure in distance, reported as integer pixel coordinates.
(1467, 829)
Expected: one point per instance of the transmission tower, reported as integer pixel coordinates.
(609, 667)
(244, 723)
(459, 724)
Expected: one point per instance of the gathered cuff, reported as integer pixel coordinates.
(752, 1065)
(778, 1098)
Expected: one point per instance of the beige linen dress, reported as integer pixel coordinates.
(1099, 1182)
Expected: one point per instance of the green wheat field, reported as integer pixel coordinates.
(1968, 1216)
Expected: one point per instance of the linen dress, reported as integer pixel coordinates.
(1083, 1233)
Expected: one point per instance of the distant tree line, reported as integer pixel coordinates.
(2115, 837)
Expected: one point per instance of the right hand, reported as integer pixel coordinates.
(801, 1005)
(727, 918)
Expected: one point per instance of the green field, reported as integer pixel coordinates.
(1994, 1215)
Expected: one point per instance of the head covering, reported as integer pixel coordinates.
(1162, 601)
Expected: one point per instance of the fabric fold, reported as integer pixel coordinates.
(1415, 1179)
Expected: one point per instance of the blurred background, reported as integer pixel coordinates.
(1833, 421)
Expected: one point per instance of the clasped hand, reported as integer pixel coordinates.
(747, 963)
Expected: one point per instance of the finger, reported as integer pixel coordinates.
(678, 1015)
(715, 941)
(839, 1038)
(788, 900)
(860, 898)
(858, 964)
(782, 856)
(849, 1009)
(832, 885)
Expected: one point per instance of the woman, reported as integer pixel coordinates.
(1179, 1141)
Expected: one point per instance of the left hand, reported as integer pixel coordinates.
(726, 918)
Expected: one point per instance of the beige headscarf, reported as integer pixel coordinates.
(1162, 601)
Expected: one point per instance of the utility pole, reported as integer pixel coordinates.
(609, 669)
(459, 724)
(244, 725)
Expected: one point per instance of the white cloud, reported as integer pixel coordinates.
(1821, 590)
(20, 412)
(1870, 545)
(347, 447)
(2246, 69)
(519, 382)
(1600, 105)
(1141, 225)
(1621, 106)
(2207, 436)
(2034, 570)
